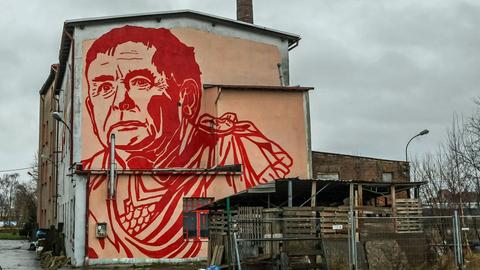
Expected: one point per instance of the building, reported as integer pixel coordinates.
(46, 185)
(161, 113)
(334, 166)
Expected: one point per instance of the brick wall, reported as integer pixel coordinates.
(358, 168)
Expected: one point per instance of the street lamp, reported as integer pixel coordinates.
(59, 118)
(423, 132)
(43, 156)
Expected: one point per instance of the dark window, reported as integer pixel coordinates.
(387, 177)
(195, 222)
(190, 224)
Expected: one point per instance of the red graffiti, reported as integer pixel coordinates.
(144, 86)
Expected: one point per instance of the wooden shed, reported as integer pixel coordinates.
(302, 222)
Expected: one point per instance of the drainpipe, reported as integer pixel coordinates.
(111, 182)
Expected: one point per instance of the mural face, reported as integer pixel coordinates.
(143, 85)
(127, 80)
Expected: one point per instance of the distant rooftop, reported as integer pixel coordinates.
(356, 156)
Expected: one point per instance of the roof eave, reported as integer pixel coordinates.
(69, 26)
(50, 79)
(260, 87)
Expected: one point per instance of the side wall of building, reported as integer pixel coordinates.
(71, 188)
(46, 185)
(145, 219)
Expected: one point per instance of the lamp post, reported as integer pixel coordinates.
(421, 133)
(59, 118)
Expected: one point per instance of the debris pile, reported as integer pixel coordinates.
(50, 262)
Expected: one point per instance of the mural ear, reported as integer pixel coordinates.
(89, 105)
(189, 98)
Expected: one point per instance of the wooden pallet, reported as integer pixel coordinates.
(408, 212)
(331, 218)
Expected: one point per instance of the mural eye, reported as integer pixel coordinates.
(105, 89)
(141, 83)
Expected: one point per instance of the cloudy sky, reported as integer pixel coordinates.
(382, 70)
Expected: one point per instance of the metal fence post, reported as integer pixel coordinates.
(352, 243)
(239, 265)
(457, 241)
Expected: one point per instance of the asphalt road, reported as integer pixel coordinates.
(14, 254)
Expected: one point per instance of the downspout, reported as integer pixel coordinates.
(87, 203)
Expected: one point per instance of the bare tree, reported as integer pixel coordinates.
(8, 185)
(452, 173)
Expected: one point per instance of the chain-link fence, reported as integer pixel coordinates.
(403, 242)
(394, 242)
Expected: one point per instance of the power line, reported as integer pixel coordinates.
(18, 169)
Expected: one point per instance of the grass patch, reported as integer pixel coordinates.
(10, 236)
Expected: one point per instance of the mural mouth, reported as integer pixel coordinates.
(126, 126)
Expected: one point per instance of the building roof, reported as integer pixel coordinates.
(355, 156)
(69, 26)
(51, 77)
(328, 192)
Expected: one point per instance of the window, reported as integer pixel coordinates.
(328, 176)
(387, 177)
(195, 222)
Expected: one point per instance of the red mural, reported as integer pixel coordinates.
(144, 86)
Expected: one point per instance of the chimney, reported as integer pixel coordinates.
(245, 11)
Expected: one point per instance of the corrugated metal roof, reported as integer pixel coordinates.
(70, 25)
(302, 191)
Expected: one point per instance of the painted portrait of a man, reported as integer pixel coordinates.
(144, 85)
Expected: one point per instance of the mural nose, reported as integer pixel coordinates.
(127, 103)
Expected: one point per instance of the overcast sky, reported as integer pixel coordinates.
(382, 70)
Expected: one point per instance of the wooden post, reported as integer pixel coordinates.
(394, 199)
(314, 196)
(394, 205)
(351, 197)
(352, 203)
(360, 194)
(229, 242)
(360, 203)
